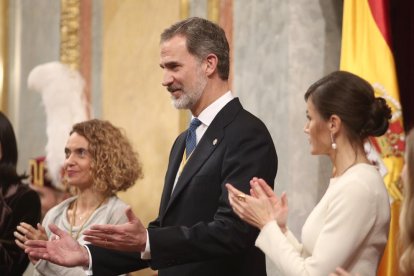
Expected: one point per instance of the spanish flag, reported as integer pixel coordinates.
(366, 52)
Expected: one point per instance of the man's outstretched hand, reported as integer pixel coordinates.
(130, 236)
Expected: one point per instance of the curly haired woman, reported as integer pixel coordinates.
(99, 162)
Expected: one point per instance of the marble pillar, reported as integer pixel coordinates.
(33, 39)
(280, 48)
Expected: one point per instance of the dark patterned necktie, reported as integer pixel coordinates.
(191, 140)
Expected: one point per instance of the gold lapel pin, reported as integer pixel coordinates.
(215, 142)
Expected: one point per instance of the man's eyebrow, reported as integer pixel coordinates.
(169, 64)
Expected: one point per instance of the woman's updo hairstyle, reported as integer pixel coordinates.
(352, 99)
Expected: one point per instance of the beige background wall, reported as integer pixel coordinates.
(132, 95)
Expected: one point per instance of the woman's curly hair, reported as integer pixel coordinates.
(115, 165)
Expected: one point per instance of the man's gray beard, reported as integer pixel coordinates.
(187, 101)
(184, 102)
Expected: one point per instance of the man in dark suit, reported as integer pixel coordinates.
(196, 232)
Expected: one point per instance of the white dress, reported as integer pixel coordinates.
(348, 228)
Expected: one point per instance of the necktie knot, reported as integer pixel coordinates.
(191, 140)
(195, 123)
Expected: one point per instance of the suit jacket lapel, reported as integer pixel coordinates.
(202, 152)
(176, 156)
(208, 143)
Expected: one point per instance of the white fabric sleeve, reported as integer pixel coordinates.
(293, 241)
(350, 216)
(146, 255)
(88, 270)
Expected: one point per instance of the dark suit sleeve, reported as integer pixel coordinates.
(112, 262)
(25, 208)
(246, 151)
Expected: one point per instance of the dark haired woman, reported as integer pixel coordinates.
(17, 203)
(349, 226)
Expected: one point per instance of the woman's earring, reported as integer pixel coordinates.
(334, 146)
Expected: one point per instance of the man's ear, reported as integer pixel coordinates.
(211, 62)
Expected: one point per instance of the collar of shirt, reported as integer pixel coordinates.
(206, 117)
(210, 112)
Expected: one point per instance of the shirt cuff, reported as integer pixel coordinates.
(146, 255)
(88, 270)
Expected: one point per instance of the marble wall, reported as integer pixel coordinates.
(33, 40)
(280, 48)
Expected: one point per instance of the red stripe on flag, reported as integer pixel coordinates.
(380, 13)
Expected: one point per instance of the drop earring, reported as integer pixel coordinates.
(334, 146)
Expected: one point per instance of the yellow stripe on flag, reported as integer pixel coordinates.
(366, 53)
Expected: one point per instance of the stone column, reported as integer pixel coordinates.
(280, 48)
